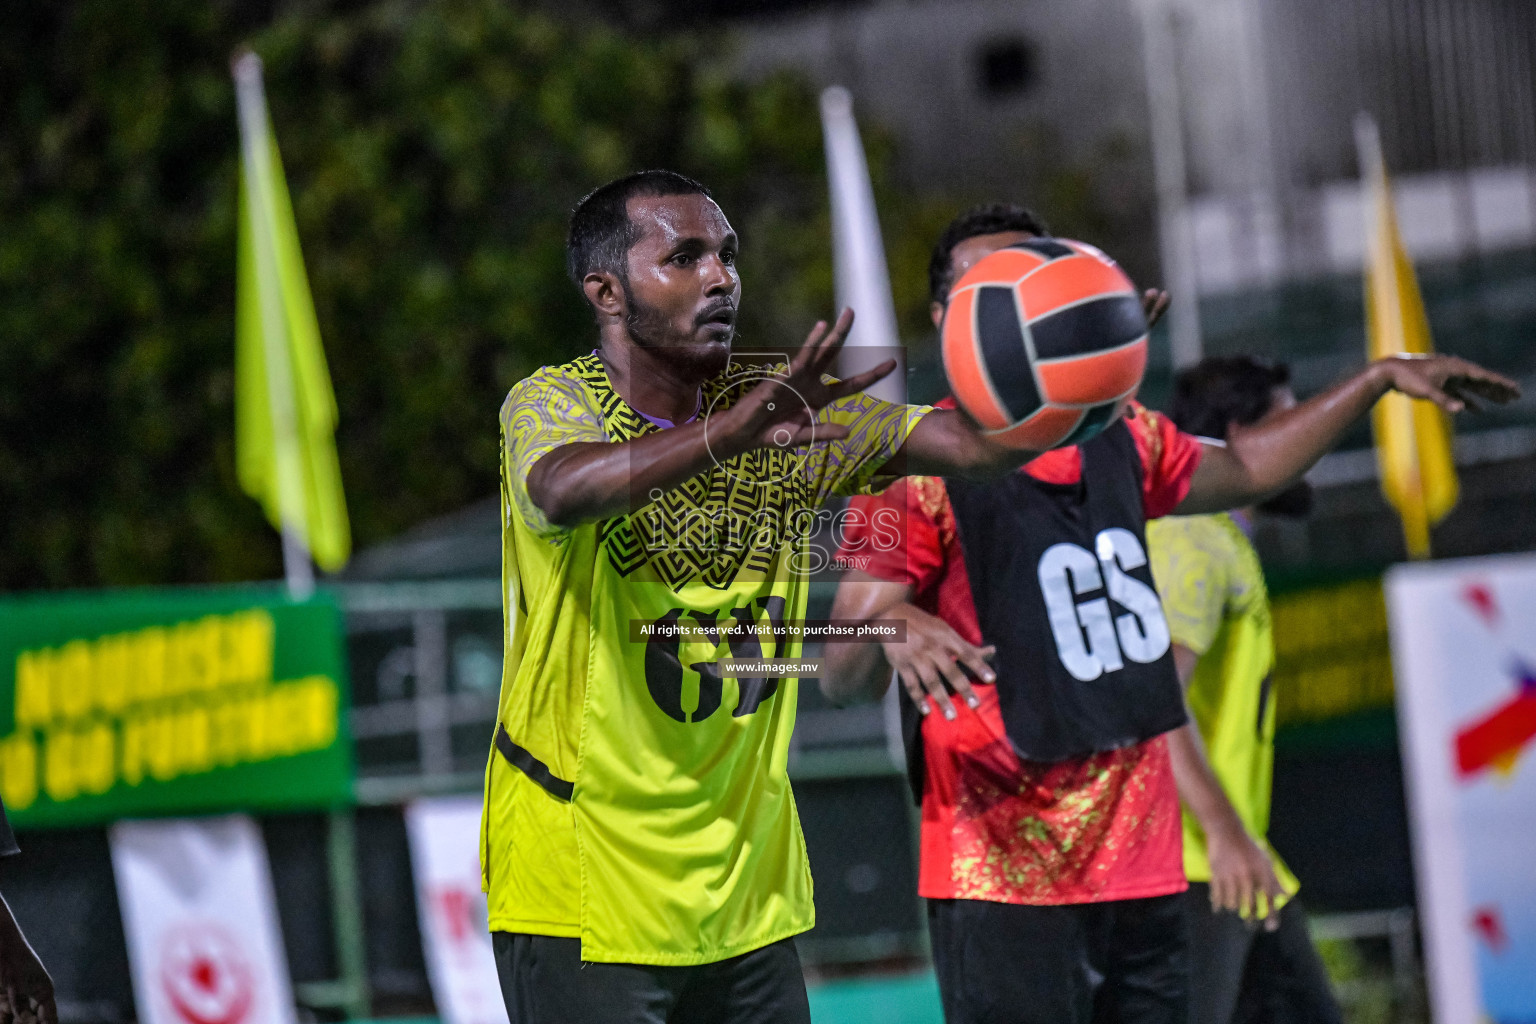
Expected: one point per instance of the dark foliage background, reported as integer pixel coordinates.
(433, 150)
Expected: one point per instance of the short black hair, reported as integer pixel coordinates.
(601, 232)
(1222, 390)
(988, 219)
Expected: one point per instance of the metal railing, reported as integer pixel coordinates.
(1398, 928)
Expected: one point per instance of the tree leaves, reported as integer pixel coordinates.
(433, 151)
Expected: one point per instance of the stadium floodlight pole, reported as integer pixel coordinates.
(858, 252)
(1159, 21)
(255, 146)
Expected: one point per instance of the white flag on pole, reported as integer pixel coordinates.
(858, 254)
(204, 943)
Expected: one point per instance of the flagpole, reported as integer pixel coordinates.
(859, 269)
(1160, 45)
(1413, 437)
(256, 149)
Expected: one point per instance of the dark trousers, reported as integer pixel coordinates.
(544, 981)
(1122, 962)
(1244, 975)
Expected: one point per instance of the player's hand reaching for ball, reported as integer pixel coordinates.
(932, 661)
(1451, 383)
(781, 412)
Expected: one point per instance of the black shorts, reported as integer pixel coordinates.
(544, 981)
(1242, 974)
(1122, 962)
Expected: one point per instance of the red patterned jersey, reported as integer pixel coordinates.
(1104, 827)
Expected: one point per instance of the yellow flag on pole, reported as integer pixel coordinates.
(285, 410)
(1413, 438)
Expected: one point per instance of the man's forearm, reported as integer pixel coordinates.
(946, 442)
(588, 482)
(855, 672)
(1198, 786)
(861, 671)
(1279, 452)
(1264, 460)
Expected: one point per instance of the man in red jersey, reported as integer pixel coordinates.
(1051, 837)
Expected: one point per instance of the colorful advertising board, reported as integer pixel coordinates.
(204, 942)
(445, 856)
(154, 702)
(1464, 652)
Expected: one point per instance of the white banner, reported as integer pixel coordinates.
(203, 936)
(1464, 657)
(445, 854)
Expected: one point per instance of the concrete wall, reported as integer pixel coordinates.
(917, 68)
(1266, 92)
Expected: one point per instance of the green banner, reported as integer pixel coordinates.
(154, 702)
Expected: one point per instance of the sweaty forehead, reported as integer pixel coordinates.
(663, 220)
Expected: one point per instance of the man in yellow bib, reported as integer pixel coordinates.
(1217, 608)
(640, 848)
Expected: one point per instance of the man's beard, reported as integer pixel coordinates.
(1295, 502)
(652, 331)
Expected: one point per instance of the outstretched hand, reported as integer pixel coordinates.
(933, 660)
(781, 412)
(1450, 382)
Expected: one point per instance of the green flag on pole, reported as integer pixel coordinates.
(285, 410)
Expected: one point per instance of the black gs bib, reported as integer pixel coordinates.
(1063, 589)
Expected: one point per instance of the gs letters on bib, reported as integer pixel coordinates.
(1090, 638)
(1063, 590)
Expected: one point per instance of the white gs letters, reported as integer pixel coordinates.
(1089, 641)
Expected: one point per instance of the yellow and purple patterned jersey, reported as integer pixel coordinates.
(635, 798)
(1214, 597)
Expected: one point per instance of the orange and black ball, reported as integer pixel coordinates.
(1044, 343)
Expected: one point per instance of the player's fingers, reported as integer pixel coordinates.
(1415, 383)
(840, 329)
(1468, 399)
(954, 675)
(1473, 379)
(1229, 895)
(827, 348)
(938, 693)
(818, 331)
(1247, 890)
(859, 382)
(914, 688)
(822, 432)
(803, 358)
(787, 435)
(1274, 892)
(1154, 303)
(976, 662)
(975, 659)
